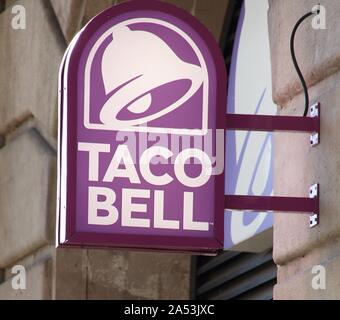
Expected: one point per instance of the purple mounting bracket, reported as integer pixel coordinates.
(278, 123)
(250, 122)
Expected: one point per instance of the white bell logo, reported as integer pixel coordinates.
(147, 68)
(135, 63)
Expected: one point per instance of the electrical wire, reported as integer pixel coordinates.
(297, 68)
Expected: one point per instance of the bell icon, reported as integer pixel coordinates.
(134, 64)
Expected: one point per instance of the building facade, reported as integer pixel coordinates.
(29, 64)
(302, 253)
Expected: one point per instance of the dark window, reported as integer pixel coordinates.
(229, 30)
(2, 5)
(234, 276)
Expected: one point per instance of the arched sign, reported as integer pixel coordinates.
(142, 103)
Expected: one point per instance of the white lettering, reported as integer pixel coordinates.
(93, 149)
(188, 215)
(182, 176)
(107, 205)
(159, 221)
(122, 155)
(128, 208)
(145, 166)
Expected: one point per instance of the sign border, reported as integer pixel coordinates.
(67, 157)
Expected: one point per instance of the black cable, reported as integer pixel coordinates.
(297, 68)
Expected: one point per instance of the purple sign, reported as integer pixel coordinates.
(141, 132)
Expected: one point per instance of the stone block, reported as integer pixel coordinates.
(94, 7)
(70, 15)
(29, 63)
(137, 275)
(297, 166)
(27, 197)
(317, 51)
(71, 274)
(296, 280)
(38, 284)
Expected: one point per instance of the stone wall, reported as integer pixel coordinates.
(29, 62)
(297, 248)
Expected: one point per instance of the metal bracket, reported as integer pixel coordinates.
(272, 203)
(315, 113)
(248, 122)
(280, 204)
(314, 194)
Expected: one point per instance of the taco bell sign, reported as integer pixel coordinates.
(141, 132)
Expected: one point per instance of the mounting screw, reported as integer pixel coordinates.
(314, 110)
(313, 220)
(314, 139)
(314, 193)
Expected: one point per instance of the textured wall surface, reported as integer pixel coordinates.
(29, 62)
(297, 248)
